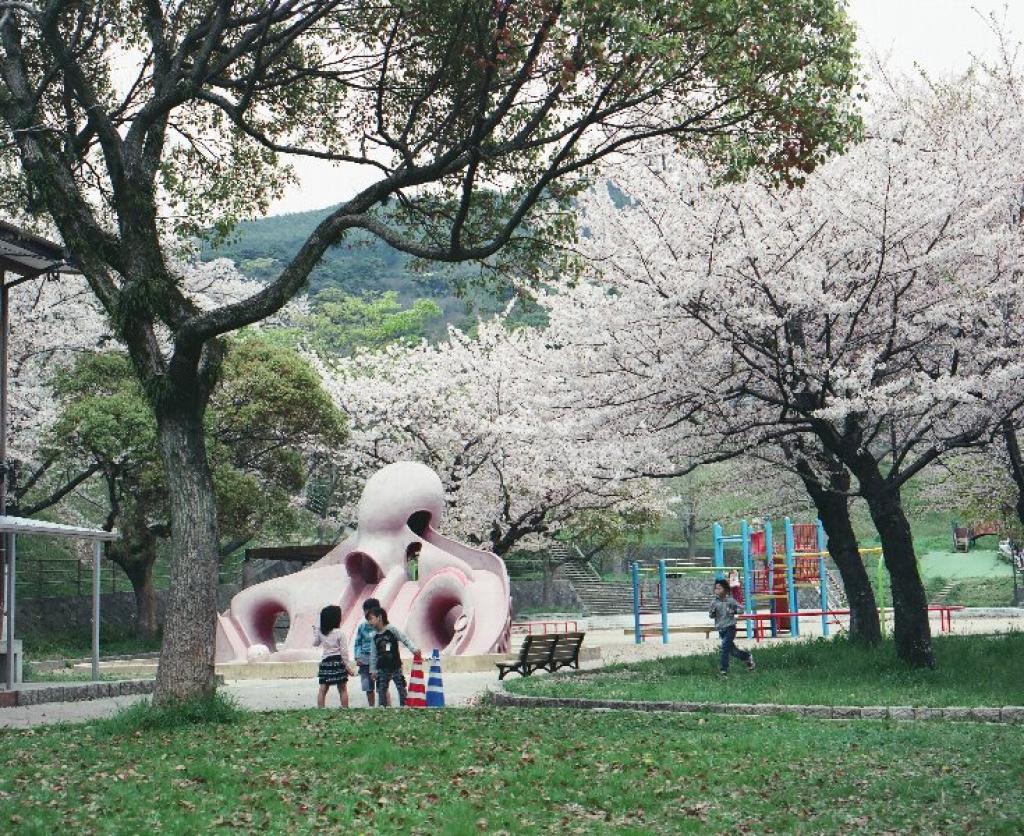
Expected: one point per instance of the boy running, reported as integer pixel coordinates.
(723, 611)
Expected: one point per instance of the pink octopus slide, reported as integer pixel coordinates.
(460, 602)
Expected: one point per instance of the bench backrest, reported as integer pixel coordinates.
(536, 649)
(568, 647)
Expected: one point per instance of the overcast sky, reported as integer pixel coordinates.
(937, 35)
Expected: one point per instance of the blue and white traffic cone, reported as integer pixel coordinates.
(435, 688)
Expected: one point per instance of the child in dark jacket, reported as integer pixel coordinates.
(385, 662)
(723, 611)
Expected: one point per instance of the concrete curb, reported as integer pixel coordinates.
(75, 692)
(1013, 714)
(991, 612)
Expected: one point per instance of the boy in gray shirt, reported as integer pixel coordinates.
(723, 611)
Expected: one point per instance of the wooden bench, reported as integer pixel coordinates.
(566, 652)
(534, 655)
(540, 652)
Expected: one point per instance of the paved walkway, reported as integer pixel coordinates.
(461, 689)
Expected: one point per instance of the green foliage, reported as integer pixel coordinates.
(106, 418)
(597, 533)
(216, 709)
(340, 323)
(530, 771)
(269, 406)
(970, 670)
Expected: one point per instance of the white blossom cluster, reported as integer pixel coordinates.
(886, 294)
(52, 320)
(516, 458)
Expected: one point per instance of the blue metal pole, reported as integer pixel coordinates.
(823, 577)
(719, 558)
(794, 621)
(748, 604)
(663, 580)
(769, 553)
(824, 595)
(635, 571)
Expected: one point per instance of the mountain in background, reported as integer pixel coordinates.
(361, 265)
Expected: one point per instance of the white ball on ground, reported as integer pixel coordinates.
(258, 651)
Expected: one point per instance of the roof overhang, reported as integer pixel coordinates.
(24, 525)
(26, 254)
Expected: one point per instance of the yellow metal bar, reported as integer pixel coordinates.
(871, 550)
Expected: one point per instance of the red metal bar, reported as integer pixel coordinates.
(542, 626)
(945, 612)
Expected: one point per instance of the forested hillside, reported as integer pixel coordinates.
(361, 265)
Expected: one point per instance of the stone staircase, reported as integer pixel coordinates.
(942, 596)
(600, 597)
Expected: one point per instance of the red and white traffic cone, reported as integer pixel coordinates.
(416, 697)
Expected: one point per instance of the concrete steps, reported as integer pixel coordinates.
(616, 598)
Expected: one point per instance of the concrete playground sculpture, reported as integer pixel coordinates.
(458, 601)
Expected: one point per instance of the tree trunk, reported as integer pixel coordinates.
(912, 632)
(549, 573)
(691, 534)
(186, 657)
(1016, 466)
(141, 576)
(833, 506)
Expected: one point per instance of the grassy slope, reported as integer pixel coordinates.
(970, 671)
(514, 772)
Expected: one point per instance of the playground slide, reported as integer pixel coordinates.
(477, 559)
(459, 603)
(246, 631)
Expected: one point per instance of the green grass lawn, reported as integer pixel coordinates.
(980, 563)
(972, 592)
(981, 578)
(32, 673)
(78, 645)
(970, 671)
(508, 771)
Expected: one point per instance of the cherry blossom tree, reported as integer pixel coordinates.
(977, 485)
(122, 121)
(477, 410)
(873, 310)
(84, 437)
(52, 322)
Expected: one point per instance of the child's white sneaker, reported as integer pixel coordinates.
(750, 662)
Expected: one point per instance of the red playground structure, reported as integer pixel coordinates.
(966, 536)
